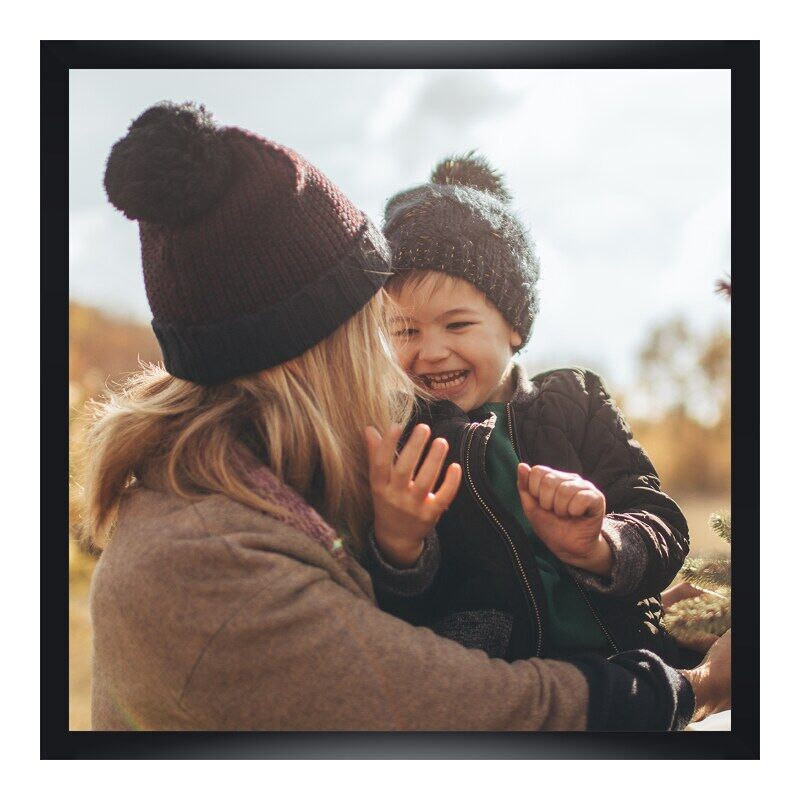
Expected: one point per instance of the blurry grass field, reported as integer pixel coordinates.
(696, 508)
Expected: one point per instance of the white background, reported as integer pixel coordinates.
(779, 296)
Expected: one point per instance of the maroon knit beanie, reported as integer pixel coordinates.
(250, 255)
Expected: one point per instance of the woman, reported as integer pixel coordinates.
(235, 485)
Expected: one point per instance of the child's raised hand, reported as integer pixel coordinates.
(567, 513)
(406, 509)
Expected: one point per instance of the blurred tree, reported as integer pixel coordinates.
(686, 378)
(685, 372)
(665, 363)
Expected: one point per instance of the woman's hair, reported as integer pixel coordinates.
(305, 417)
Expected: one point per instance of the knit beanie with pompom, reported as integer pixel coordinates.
(461, 223)
(251, 256)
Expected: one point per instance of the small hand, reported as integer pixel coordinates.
(566, 512)
(406, 508)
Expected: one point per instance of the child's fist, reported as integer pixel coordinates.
(566, 512)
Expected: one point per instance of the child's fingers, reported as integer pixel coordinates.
(381, 451)
(449, 488)
(390, 441)
(426, 476)
(543, 478)
(547, 490)
(379, 466)
(586, 503)
(408, 459)
(523, 474)
(564, 493)
(544, 482)
(529, 504)
(535, 477)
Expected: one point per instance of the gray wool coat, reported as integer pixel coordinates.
(209, 615)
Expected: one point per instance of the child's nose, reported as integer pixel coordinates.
(432, 349)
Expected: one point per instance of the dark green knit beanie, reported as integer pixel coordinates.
(460, 223)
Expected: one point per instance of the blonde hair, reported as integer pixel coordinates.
(305, 416)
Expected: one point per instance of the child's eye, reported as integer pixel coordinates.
(404, 333)
(455, 326)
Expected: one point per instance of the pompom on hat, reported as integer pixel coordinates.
(251, 256)
(461, 223)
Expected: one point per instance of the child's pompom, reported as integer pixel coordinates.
(170, 167)
(473, 171)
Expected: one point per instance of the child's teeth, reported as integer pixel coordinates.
(446, 380)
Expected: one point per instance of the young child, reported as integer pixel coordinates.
(563, 557)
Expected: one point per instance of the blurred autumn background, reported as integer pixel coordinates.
(692, 454)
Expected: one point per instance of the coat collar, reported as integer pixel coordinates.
(525, 391)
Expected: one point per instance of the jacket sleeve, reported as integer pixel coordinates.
(403, 592)
(628, 562)
(646, 529)
(306, 653)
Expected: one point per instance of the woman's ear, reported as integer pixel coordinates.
(516, 339)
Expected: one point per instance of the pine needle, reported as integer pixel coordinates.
(705, 614)
(720, 523)
(708, 573)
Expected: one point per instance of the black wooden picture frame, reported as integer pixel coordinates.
(58, 57)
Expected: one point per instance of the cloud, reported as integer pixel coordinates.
(455, 99)
(104, 265)
(425, 116)
(84, 225)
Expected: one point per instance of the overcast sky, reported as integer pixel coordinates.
(623, 177)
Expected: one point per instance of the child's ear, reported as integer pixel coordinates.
(516, 339)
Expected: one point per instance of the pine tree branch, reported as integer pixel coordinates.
(708, 573)
(723, 287)
(720, 523)
(705, 614)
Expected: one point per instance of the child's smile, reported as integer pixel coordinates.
(445, 382)
(452, 341)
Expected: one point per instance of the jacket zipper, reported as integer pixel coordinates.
(487, 510)
(595, 614)
(509, 412)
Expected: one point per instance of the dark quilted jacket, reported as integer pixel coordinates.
(486, 591)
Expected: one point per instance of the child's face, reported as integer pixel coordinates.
(453, 341)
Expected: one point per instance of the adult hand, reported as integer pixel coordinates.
(711, 679)
(567, 513)
(678, 592)
(406, 508)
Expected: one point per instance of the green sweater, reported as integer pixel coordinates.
(569, 622)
